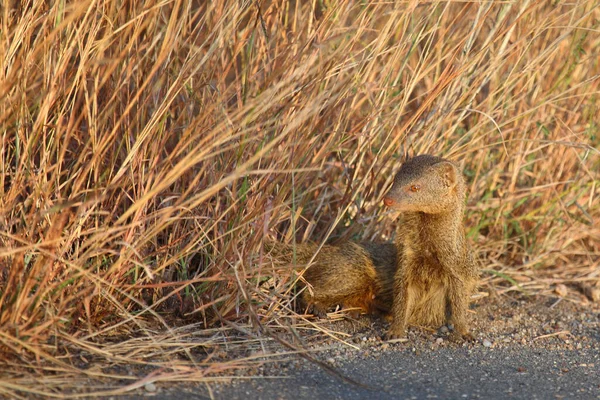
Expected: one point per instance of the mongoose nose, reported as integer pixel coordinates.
(388, 202)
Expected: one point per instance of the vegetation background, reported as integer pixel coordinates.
(150, 147)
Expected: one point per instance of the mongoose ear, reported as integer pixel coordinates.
(447, 172)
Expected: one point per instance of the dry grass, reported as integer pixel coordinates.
(149, 147)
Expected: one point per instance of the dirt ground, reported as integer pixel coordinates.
(526, 347)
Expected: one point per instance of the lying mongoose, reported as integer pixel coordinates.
(436, 272)
(350, 275)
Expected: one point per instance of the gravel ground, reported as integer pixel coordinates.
(538, 348)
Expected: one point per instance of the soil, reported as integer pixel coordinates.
(526, 347)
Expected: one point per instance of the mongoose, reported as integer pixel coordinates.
(351, 275)
(436, 271)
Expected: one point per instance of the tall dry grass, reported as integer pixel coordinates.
(148, 148)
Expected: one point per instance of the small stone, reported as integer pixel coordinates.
(439, 340)
(150, 387)
(561, 290)
(487, 343)
(521, 369)
(444, 329)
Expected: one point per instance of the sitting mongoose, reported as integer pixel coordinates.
(436, 272)
(350, 275)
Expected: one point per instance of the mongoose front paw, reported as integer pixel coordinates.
(459, 338)
(396, 333)
(468, 337)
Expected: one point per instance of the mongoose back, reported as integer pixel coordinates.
(351, 275)
(436, 272)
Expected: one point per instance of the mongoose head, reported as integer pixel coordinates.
(427, 184)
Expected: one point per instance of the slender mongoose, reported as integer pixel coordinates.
(436, 272)
(350, 275)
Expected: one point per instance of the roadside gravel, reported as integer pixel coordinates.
(533, 348)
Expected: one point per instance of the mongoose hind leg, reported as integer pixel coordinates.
(317, 310)
(354, 313)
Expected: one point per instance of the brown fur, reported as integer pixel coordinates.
(436, 272)
(351, 275)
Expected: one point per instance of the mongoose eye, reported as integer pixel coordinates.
(415, 188)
